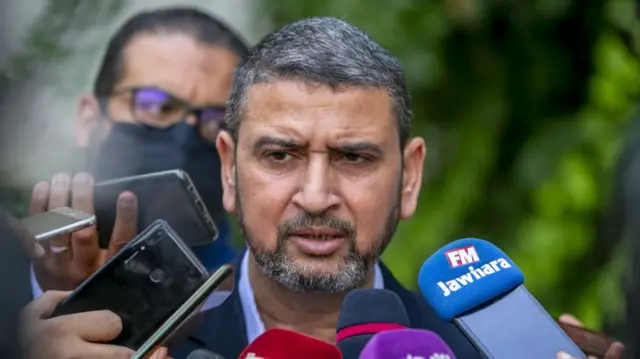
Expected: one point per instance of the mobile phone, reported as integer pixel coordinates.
(56, 222)
(143, 284)
(589, 341)
(182, 314)
(167, 195)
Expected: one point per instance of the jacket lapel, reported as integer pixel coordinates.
(221, 329)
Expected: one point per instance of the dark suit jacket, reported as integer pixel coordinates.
(14, 281)
(222, 330)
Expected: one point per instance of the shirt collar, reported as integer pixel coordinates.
(254, 324)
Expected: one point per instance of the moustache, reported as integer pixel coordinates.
(305, 220)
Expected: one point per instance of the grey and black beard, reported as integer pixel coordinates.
(349, 274)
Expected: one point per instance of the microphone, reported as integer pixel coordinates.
(474, 284)
(407, 343)
(279, 343)
(364, 313)
(203, 354)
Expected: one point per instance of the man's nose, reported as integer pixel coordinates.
(317, 192)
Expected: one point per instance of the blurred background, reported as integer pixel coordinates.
(529, 110)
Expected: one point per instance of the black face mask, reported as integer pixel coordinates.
(133, 149)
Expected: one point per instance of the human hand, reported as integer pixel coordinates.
(614, 352)
(160, 353)
(69, 336)
(68, 260)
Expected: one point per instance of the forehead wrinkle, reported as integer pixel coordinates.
(355, 113)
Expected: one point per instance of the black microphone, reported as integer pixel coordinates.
(364, 313)
(473, 284)
(203, 354)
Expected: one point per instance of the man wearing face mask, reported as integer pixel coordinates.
(157, 104)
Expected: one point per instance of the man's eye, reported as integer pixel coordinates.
(354, 158)
(279, 156)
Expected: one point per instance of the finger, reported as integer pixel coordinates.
(159, 353)
(42, 307)
(82, 192)
(126, 223)
(58, 260)
(59, 191)
(85, 241)
(571, 320)
(615, 351)
(39, 198)
(106, 351)
(96, 326)
(564, 355)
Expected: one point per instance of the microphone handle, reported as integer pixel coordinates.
(515, 325)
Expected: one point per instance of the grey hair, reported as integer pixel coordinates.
(321, 50)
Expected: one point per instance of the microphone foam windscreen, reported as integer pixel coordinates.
(279, 343)
(203, 354)
(364, 313)
(465, 274)
(407, 343)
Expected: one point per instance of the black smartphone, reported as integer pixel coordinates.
(167, 195)
(144, 284)
(182, 314)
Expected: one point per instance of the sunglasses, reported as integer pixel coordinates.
(158, 108)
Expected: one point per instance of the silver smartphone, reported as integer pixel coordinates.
(57, 222)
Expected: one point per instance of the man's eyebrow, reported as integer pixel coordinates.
(358, 147)
(267, 141)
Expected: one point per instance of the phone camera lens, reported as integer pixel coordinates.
(155, 238)
(156, 276)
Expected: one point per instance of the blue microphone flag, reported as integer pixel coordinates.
(465, 274)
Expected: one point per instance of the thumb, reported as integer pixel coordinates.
(126, 223)
(160, 353)
(41, 308)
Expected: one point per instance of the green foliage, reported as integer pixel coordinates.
(48, 40)
(45, 40)
(522, 105)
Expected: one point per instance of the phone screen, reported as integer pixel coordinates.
(143, 284)
(47, 222)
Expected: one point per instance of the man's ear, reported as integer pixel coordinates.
(413, 156)
(87, 119)
(226, 151)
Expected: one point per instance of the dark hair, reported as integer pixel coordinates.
(321, 50)
(203, 27)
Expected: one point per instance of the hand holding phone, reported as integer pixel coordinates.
(57, 222)
(594, 344)
(70, 258)
(167, 195)
(144, 284)
(73, 336)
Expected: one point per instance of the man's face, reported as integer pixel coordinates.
(319, 182)
(194, 73)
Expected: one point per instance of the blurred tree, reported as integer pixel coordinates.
(46, 41)
(522, 106)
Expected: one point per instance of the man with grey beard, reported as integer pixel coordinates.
(318, 166)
